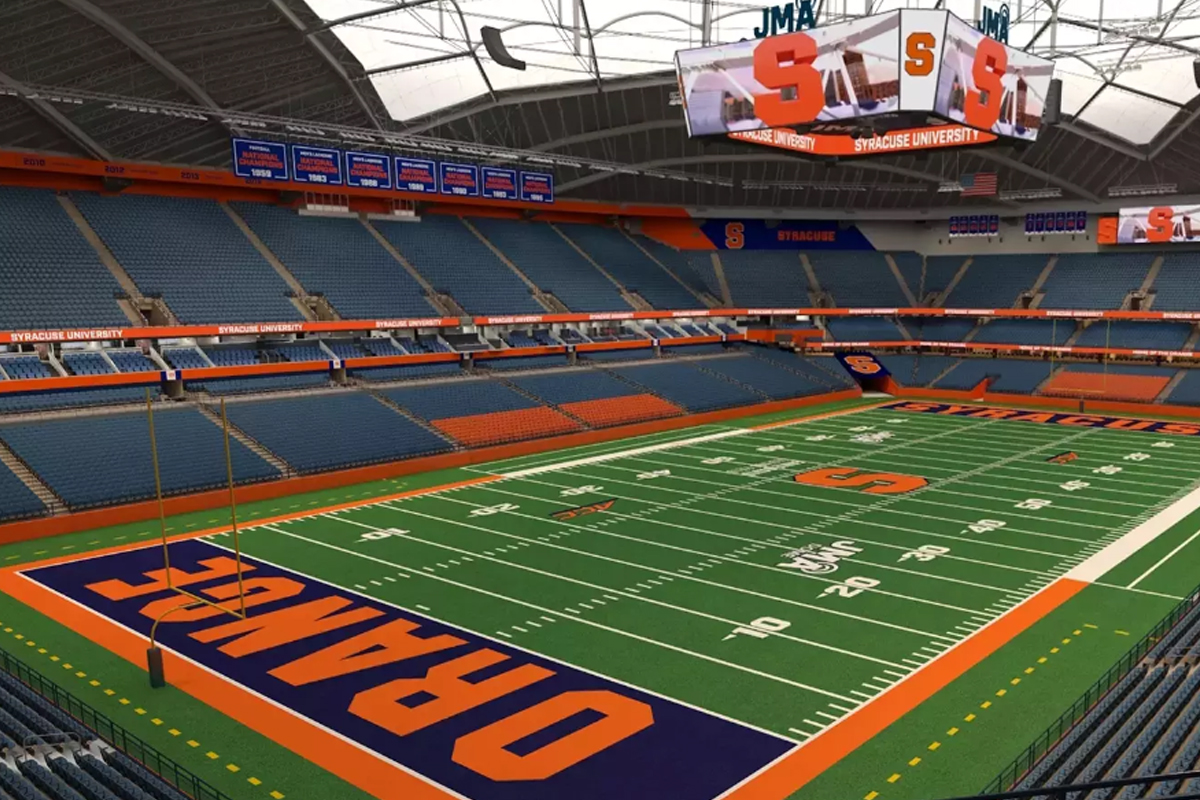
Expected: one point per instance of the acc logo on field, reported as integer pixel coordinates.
(867, 482)
(819, 559)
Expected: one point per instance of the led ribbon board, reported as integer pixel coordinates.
(924, 73)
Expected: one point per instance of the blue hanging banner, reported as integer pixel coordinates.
(260, 160)
(416, 175)
(316, 165)
(368, 170)
(499, 184)
(459, 180)
(537, 187)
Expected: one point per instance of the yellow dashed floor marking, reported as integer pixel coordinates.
(952, 731)
(193, 743)
(915, 761)
(212, 755)
(895, 777)
(254, 781)
(173, 732)
(1001, 693)
(1043, 660)
(986, 704)
(1029, 670)
(969, 718)
(233, 768)
(871, 796)
(934, 745)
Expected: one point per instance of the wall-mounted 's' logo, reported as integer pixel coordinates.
(867, 482)
(819, 559)
(863, 365)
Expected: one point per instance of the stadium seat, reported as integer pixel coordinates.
(858, 279)
(16, 501)
(694, 268)
(764, 377)
(192, 253)
(1175, 286)
(1025, 331)
(1137, 384)
(1012, 376)
(52, 277)
(67, 453)
(1135, 335)
(610, 248)
(455, 262)
(131, 361)
(75, 398)
(26, 368)
(863, 329)
(407, 373)
(267, 383)
(481, 412)
(939, 330)
(1094, 280)
(551, 263)
(522, 362)
(765, 278)
(996, 281)
(683, 384)
(340, 259)
(340, 429)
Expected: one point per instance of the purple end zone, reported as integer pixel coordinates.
(684, 754)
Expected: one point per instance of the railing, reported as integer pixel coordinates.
(111, 732)
(1069, 718)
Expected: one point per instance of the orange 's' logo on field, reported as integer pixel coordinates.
(867, 482)
(580, 511)
(1063, 458)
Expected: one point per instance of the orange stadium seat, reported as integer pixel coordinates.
(621, 410)
(479, 430)
(1108, 386)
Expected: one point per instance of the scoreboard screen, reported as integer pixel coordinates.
(896, 70)
(1158, 225)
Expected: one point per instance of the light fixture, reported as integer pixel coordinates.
(1142, 191)
(1047, 193)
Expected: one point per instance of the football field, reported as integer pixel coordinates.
(780, 580)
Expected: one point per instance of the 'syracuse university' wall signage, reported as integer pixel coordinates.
(324, 166)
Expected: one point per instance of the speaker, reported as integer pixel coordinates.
(115, 185)
(496, 49)
(1053, 113)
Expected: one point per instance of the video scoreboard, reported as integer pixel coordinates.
(924, 78)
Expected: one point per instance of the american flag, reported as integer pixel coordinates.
(979, 184)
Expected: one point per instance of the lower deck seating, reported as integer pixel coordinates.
(764, 377)
(868, 329)
(499, 427)
(596, 397)
(184, 358)
(621, 411)
(132, 361)
(86, 364)
(1025, 331)
(16, 501)
(522, 362)
(823, 371)
(481, 412)
(1136, 335)
(26, 368)
(1009, 375)
(685, 385)
(76, 398)
(332, 430)
(1135, 384)
(1187, 391)
(102, 459)
(406, 373)
(270, 383)
(628, 354)
(939, 330)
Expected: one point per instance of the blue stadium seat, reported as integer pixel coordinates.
(1176, 286)
(632, 354)
(1025, 331)
(683, 384)
(378, 346)
(996, 281)
(1094, 280)
(460, 399)
(764, 377)
(1012, 375)
(522, 362)
(825, 372)
(939, 329)
(85, 364)
(48, 783)
(300, 351)
(1135, 335)
(609, 248)
(131, 361)
(405, 373)
(51, 276)
(114, 781)
(576, 386)
(75, 398)
(26, 368)
(1187, 391)
(191, 252)
(340, 429)
(184, 358)
(104, 459)
(857, 279)
(82, 782)
(863, 329)
(268, 383)
(455, 262)
(693, 267)
(551, 263)
(232, 356)
(147, 780)
(765, 278)
(16, 500)
(340, 259)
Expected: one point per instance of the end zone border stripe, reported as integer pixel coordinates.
(801, 765)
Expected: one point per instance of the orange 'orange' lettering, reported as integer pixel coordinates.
(484, 750)
(386, 644)
(451, 694)
(258, 591)
(874, 482)
(284, 626)
(220, 567)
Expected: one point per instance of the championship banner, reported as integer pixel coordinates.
(499, 184)
(260, 160)
(1054, 222)
(316, 165)
(537, 187)
(416, 175)
(1158, 224)
(459, 180)
(368, 170)
(891, 69)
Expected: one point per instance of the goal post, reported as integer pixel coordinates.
(188, 599)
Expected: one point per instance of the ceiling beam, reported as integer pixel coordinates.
(609, 133)
(330, 59)
(52, 115)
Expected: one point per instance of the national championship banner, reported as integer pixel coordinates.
(368, 170)
(895, 68)
(459, 180)
(260, 160)
(1158, 224)
(1056, 222)
(498, 184)
(316, 165)
(416, 175)
(537, 187)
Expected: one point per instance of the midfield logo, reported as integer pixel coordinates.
(819, 559)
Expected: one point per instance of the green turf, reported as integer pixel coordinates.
(651, 591)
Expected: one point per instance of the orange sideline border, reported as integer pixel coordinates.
(41, 527)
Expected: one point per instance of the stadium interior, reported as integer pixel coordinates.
(421, 399)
